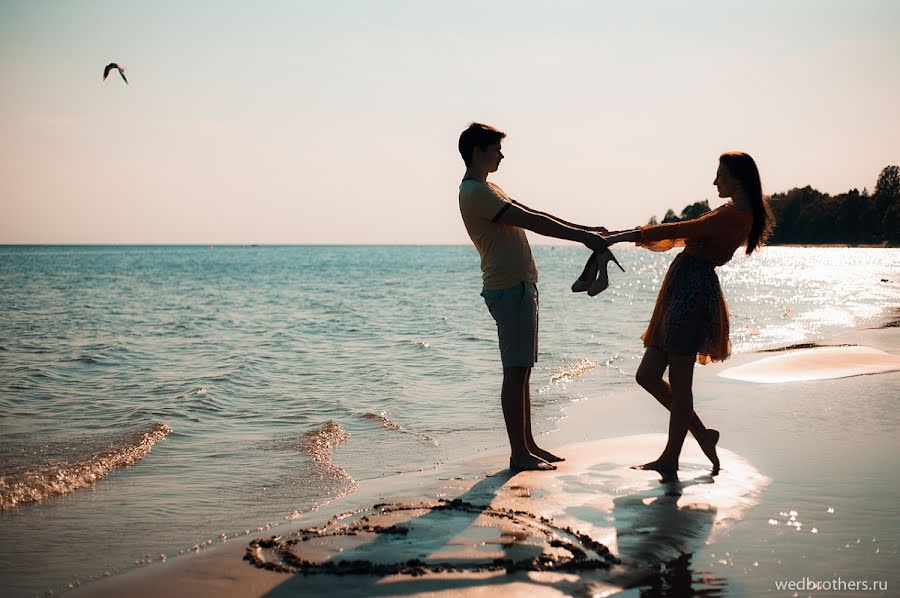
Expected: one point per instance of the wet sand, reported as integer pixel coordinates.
(816, 363)
(594, 524)
(807, 493)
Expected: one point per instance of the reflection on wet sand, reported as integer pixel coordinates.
(656, 539)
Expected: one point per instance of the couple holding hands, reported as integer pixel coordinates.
(690, 319)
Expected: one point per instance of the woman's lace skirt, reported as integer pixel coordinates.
(691, 316)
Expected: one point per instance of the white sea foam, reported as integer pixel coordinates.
(57, 478)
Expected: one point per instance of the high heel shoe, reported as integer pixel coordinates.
(602, 281)
(587, 277)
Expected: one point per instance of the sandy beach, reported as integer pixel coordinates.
(806, 496)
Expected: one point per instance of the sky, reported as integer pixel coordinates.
(337, 122)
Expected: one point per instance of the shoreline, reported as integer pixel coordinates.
(221, 568)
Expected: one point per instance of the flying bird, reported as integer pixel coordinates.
(111, 66)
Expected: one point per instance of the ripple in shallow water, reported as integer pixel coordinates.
(319, 443)
(573, 370)
(380, 418)
(56, 478)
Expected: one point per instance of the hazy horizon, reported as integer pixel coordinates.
(336, 124)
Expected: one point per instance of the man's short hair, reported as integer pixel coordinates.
(477, 135)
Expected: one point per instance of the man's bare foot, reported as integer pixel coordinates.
(529, 463)
(710, 439)
(546, 455)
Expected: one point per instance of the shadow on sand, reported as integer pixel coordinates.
(655, 539)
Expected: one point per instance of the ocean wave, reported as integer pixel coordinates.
(319, 444)
(394, 426)
(573, 370)
(87, 359)
(58, 478)
(381, 419)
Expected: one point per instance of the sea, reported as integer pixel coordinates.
(158, 399)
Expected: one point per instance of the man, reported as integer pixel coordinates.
(496, 224)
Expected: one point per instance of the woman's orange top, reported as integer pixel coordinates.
(713, 237)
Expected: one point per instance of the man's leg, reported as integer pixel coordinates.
(533, 448)
(515, 381)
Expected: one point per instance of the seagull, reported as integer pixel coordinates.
(111, 66)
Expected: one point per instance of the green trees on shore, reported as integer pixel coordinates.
(807, 216)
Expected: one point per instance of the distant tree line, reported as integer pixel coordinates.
(806, 216)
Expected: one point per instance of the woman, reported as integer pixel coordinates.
(690, 320)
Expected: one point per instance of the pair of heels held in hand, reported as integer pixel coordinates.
(595, 278)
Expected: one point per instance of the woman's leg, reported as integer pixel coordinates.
(650, 378)
(681, 374)
(681, 380)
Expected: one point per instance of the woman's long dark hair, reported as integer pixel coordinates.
(742, 167)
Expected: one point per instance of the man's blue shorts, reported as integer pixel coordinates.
(515, 310)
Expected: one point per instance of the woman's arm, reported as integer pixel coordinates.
(625, 236)
(708, 225)
(661, 232)
(721, 222)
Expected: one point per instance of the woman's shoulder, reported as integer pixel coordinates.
(732, 211)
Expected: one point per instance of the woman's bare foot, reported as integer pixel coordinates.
(529, 463)
(546, 455)
(708, 444)
(667, 469)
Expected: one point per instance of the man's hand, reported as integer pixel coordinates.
(595, 242)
